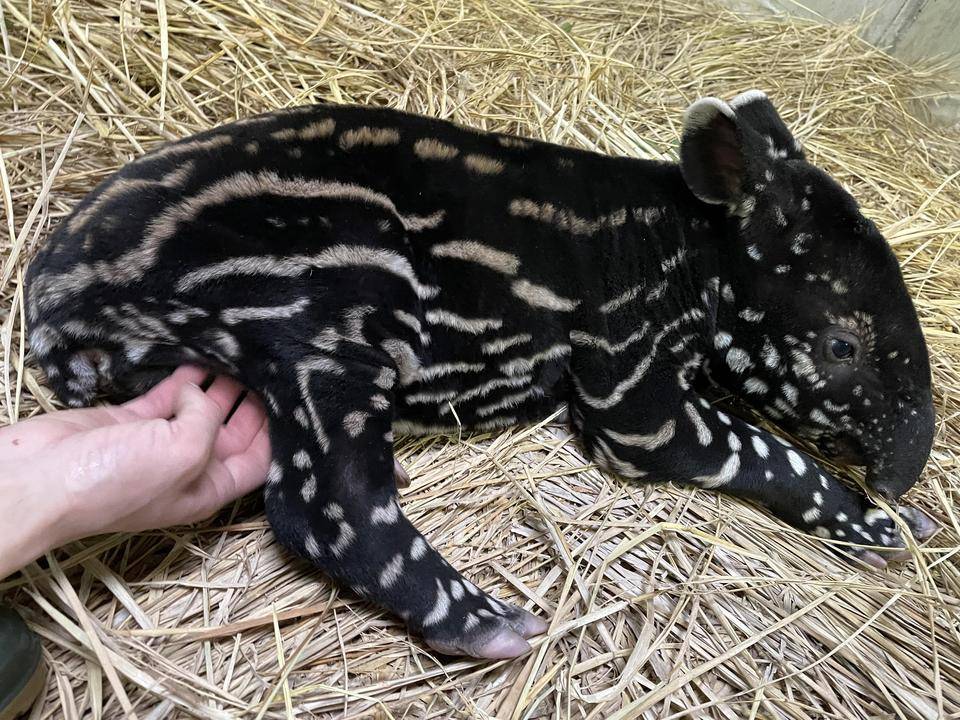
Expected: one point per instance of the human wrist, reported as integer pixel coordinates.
(32, 522)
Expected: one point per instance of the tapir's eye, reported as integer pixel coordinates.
(840, 347)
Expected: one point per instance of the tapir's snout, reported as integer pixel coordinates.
(902, 445)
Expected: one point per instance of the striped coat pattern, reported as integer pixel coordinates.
(369, 272)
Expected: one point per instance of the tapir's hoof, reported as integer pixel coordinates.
(921, 527)
(920, 524)
(400, 475)
(494, 637)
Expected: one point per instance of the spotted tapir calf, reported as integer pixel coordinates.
(369, 272)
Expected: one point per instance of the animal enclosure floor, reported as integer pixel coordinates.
(664, 602)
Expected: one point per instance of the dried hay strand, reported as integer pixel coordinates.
(665, 602)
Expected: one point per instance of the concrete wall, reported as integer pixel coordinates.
(908, 29)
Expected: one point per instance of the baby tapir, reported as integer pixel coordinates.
(369, 272)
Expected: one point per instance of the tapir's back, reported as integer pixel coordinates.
(453, 245)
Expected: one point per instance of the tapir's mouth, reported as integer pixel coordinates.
(842, 449)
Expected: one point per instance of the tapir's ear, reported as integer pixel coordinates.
(712, 157)
(755, 109)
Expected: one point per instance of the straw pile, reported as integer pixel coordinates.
(666, 603)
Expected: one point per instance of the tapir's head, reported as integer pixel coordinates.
(815, 327)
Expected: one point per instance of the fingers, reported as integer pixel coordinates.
(240, 453)
(202, 417)
(161, 400)
(248, 469)
(224, 392)
(217, 460)
(224, 482)
(242, 427)
(194, 428)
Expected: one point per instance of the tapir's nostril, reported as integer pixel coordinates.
(887, 494)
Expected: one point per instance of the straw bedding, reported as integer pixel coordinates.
(666, 602)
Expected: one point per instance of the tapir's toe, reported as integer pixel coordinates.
(921, 525)
(871, 558)
(504, 644)
(490, 635)
(400, 475)
(528, 624)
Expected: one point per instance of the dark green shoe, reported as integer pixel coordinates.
(22, 672)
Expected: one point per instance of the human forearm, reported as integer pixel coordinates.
(30, 518)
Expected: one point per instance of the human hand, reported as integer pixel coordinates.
(162, 459)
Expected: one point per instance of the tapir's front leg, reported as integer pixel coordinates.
(669, 434)
(331, 498)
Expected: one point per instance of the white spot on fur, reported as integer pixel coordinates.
(760, 447)
(333, 511)
(483, 164)
(391, 572)
(385, 378)
(796, 462)
(818, 416)
(704, 436)
(354, 422)
(311, 546)
(418, 548)
(810, 515)
(798, 246)
(309, 489)
(755, 386)
(790, 392)
(386, 514)
(345, 536)
(275, 473)
(738, 360)
(301, 459)
(769, 354)
(803, 365)
(441, 607)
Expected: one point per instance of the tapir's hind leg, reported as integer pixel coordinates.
(331, 497)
